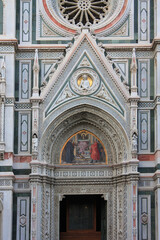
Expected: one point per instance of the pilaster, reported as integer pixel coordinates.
(2, 107)
(35, 100)
(157, 203)
(157, 107)
(35, 211)
(157, 18)
(9, 103)
(6, 196)
(134, 105)
(9, 18)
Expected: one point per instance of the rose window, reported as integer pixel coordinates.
(84, 12)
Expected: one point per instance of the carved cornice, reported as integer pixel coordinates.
(128, 47)
(9, 42)
(100, 174)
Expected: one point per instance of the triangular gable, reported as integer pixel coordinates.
(84, 60)
(67, 93)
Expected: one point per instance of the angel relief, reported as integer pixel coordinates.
(83, 148)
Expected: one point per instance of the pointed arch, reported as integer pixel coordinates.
(89, 118)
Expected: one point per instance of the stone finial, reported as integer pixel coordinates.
(134, 74)
(36, 64)
(36, 75)
(134, 62)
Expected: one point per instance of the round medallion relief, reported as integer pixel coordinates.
(85, 81)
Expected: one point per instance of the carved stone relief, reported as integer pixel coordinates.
(85, 81)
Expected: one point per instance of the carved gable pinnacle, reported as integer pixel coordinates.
(134, 75)
(134, 62)
(36, 64)
(36, 75)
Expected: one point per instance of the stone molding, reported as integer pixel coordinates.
(6, 183)
(84, 173)
(116, 191)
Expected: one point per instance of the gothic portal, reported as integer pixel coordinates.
(79, 119)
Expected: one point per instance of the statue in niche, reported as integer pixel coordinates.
(34, 143)
(134, 141)
(83, 148)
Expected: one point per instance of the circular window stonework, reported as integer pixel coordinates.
(84, 12)
(85, 81)
(102, 17)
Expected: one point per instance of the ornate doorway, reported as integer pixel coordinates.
(82, 217)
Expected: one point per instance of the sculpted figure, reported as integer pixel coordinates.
(84, 83)
(134, 142)
(34, 143)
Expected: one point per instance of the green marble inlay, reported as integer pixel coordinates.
(116, 41)
(152, 194)
(149, 169)
(5, 168)
(152, 130)
(129, 72)
(157, 166)
(18, 21)
(1, 17)
(151, 79)
(16, 133)
(21, 171)
(151, 21)
(17, 80)
(14, 226)
(146, 170)
(136, 20)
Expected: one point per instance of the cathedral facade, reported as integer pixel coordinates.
(79, 119)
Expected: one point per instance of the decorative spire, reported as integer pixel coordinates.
(134, 62)
(36, 64)
(134, 74)
(3, 79)
(36, 75)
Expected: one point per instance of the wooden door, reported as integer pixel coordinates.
(79, 218)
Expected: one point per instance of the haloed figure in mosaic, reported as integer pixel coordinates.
(68, 153)
(83, 148)
(95, 154)
(84, 82)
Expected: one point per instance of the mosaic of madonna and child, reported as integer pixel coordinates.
(83, 148)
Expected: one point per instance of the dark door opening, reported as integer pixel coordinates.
(82, 217)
